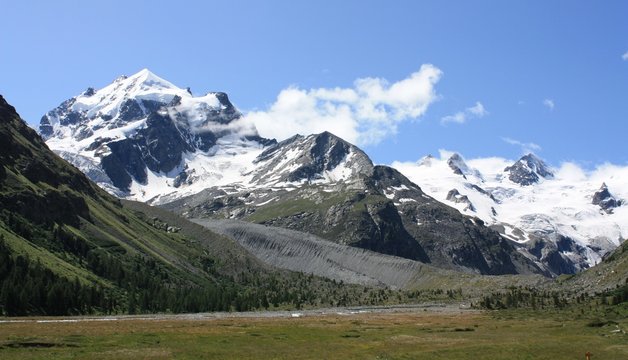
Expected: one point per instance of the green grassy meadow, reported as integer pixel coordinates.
(401, 335)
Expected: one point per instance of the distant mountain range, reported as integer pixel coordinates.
(143, 138)
(568, 224)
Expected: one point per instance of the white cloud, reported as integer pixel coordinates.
(458, 118)
(478, 110)
(490, 165)
(571, 171)
(445, 154)
(625, 56)
(549, 103)
(364, 114)
(475, 111)
(613, 175)
(529, 147)
(239, 126)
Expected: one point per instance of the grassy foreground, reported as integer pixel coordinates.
(407, 335)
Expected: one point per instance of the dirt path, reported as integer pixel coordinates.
(344, 311)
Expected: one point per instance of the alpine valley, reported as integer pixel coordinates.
(313, 180)
(67, 247)
(142, 138)
(200, 213)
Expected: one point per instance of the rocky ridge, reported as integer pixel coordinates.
(376, 208)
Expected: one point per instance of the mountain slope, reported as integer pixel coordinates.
(68, 247)
(294, 250)
(307, 253)
(371, 207)
(610, 273)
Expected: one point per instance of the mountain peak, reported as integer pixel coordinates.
(426, 160)
(312, 158)
(148, 78)
(142, 124)
(3, 102)
(530, 157)
(144, 72)
(528, 170)
(130, 99)
(534, 162)
(605, 200)
(457, 164)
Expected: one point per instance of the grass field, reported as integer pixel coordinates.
(406, 335)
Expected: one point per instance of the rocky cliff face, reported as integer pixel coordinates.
(448, 238)
(605, 200)
(320, 158)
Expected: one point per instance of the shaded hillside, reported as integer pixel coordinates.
(610, 273)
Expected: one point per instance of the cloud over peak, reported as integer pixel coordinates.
(364, 114)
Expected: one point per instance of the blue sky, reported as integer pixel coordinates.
(547, 76)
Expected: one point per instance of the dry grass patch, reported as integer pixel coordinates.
(360, 336)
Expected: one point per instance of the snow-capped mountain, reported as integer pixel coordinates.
(568, 222)
(143, 138)
(324, 186)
